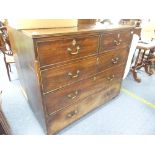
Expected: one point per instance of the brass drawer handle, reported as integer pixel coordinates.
(74, 76)
(76, 51)
(73, 95)
(117, 42)
(115, 60)
(111, 78)
(71, 114)
(77, 48)
(94, 78)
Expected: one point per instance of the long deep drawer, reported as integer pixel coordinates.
(115, 39)
(59, 99)
(66, 49)
(74, 112)
(58, 77)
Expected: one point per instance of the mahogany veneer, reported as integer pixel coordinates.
(67, 72)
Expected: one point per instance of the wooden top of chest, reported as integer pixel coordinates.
(39, 33)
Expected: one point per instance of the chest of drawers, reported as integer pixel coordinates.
(66, 73)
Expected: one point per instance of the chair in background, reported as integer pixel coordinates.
(3, 30)
(142, 52)
(136, 36)
(106, 21)
(145, 58)
(7, 52)
(131, 55)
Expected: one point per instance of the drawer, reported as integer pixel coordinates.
(59, 99)
(109, 92)
(58, 77)
(112, 58)
(115, 39)
(68, 115)
(62, 119)
(66, 49)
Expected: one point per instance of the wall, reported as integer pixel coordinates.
(148, 29)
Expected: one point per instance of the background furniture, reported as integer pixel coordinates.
(145, 58)
(4, 127)
(86, 22)
(5, 36)
(132, 51)
(135, 22)
(41, 23)
(5, 48)
(68, 72)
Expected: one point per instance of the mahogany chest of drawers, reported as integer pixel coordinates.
(67, 72)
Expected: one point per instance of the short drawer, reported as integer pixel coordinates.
(115, 39)
(66, 49)
(72, 113)
(112, 58)
(58, 77)
(59, 99)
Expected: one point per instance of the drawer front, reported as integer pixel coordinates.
(59, 99)
(61, 50)
(62, 119)
(112, 58)
(74, 112)
(58, 77)
(115, 39)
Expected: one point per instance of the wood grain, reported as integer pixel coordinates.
(68, 72)
(59, 99)
(115, 39)
(56, 51)
(76, 111)
(58, 77)
(28, 73)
